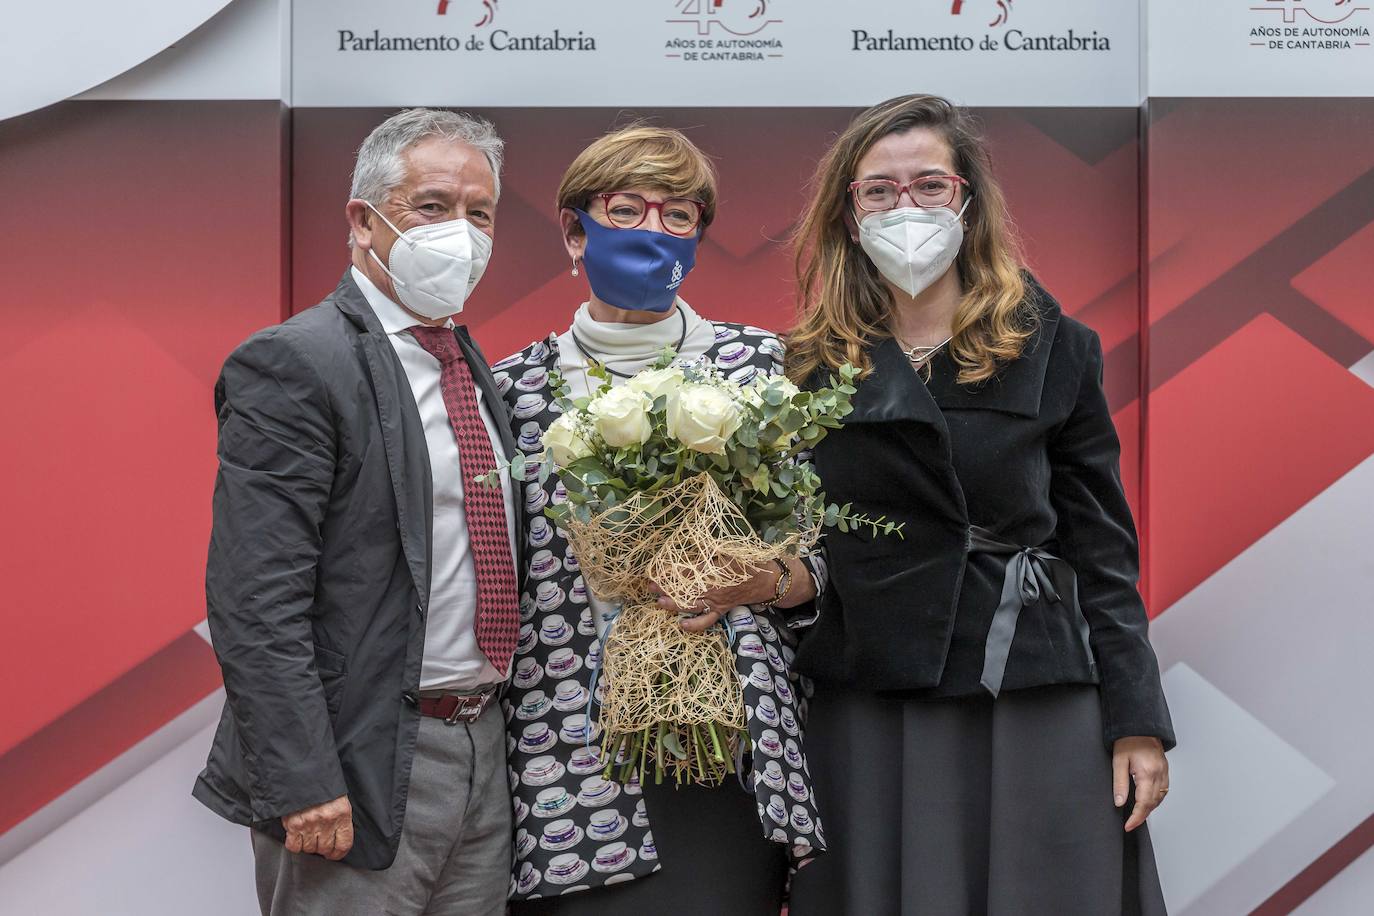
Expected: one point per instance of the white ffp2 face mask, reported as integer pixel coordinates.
(913, 246)
(435, 267)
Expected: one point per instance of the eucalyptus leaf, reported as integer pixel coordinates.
(673, 745)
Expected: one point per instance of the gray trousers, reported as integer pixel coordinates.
(455, 853)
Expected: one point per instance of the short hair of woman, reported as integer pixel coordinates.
(641, 156)
(845, 306)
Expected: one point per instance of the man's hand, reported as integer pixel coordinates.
(1141, 760)
(324, 830)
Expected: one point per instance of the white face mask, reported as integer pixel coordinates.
(435, 267)
(913, 246)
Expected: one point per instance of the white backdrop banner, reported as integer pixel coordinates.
(52, 51)
(714, 52)
(1260, 48)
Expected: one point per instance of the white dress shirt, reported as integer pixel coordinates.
(452, 660)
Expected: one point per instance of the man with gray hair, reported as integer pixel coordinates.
(361, 589)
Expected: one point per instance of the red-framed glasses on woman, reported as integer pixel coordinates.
(876, 194)
(679, 215)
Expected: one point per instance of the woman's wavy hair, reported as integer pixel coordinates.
(845, 305)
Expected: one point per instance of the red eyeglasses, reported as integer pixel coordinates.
(877, 194)
(679, 215)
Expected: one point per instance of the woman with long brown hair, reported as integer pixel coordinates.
(988, 727)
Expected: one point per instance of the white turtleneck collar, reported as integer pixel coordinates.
(628, 348)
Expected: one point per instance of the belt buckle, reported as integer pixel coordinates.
(467, 709)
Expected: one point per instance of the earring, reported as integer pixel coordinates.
(574, 270)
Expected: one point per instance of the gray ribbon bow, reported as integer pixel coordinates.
(1029, 579)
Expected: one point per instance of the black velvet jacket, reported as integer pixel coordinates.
(1033, 457)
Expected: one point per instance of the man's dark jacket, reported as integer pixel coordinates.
(317, 584)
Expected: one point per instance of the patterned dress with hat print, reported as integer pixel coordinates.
(576, 830)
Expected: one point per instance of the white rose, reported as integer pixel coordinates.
(621, 416)
(657, 382)
(703, 418)
(564, 443)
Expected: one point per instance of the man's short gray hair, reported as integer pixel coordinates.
(380, 166)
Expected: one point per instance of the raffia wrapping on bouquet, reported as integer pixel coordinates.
(660, 679)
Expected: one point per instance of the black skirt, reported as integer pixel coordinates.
(956, 807)
(715, 860)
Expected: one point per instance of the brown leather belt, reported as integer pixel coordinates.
(453, 708)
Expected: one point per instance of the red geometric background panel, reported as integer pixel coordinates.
(1255, 319)
(1340, 282)
(143, 241)
(105, 725)
(1071, 177)
(1258, 215)
(1259, 245)
(1228, 176)
(1221, 479)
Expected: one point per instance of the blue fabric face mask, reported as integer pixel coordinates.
(635, 269)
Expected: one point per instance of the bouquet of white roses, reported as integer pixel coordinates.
(681, 481)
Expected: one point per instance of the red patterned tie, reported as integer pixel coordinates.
(498, 613)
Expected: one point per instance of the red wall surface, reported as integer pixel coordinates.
(142, 241)
(1260, 368)
(146, 239)
(1259, 302)
(1071, 175)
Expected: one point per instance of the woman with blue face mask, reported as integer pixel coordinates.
(633, 208)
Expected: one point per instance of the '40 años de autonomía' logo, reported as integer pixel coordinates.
(1328, 12)
(485, 10)
(1000, 9)
(738, 17)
